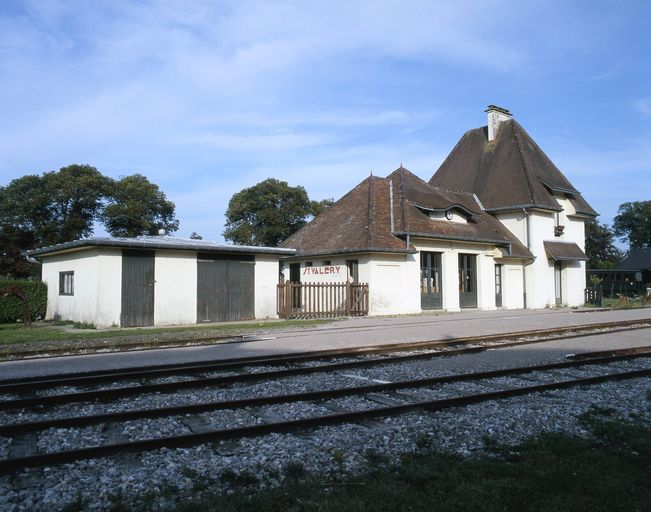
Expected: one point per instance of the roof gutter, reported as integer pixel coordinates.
(517, 207)
(32, 260)
(143, 244)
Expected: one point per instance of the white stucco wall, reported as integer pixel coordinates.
(97, 295)
(175, 289)
(266, 281)
(82, 305)
(515, 222)
(541, 291)
(512, 295)
(109, 289)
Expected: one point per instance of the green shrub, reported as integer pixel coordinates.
(11, 307)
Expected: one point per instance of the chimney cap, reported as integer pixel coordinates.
(498, 109)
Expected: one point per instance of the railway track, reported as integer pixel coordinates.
(428, 348)
(197, 341)
(318, 407)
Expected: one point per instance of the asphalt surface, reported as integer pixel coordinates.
(374, 331)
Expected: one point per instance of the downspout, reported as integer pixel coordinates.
(391, 205)
(524, 270)
(32, 260)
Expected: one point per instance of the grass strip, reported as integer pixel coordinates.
(610, 471)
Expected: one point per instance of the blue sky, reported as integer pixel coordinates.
(208, 97)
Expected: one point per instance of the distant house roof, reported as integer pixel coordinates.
(638, 259)
(380, 214)
(157, 242)
(507, 173)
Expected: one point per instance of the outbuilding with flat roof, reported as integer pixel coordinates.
(158, 280)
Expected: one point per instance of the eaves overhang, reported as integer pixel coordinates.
(556, 188)
(155, 244)
(564, 251)
(519, 207)
(433, 236)
(353, 250)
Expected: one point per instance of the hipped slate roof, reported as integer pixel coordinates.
(510, 172)
(379, 215)
(638, 259)
(158, 242)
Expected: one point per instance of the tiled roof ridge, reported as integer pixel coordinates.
(369, 228)
(403, 199)
(527, 175)
(465, 134)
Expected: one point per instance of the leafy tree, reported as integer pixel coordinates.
(48, 209)
(633, 223)
(317, 207)
(267, 213)
(138, 207)
(76, 195)
(599, 246)
(55, 207)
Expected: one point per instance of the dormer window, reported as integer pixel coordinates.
(454, 213)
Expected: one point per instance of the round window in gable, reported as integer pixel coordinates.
(448, 214)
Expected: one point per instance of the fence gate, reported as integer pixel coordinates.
(321, 300)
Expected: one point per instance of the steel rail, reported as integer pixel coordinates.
(170, 387)
(84, 378)
(186, 440)
(82, 421)
(606, 353)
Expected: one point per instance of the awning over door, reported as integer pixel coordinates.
(564, 251)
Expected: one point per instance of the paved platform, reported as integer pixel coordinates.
(344, 333)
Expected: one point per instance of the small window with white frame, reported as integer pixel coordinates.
(67, 283)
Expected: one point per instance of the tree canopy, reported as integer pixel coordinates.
(599, 246)
(268, 213)
(137, 207)
(59, 206)
(633, 223)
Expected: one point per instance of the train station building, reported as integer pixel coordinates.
(497, 226)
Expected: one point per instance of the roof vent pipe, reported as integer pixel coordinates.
(495, 116)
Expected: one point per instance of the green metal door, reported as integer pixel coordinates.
(225, 287)
(468, 280)
(137, 288)
(430, 280)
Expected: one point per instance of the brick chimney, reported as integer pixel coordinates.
(495, 116)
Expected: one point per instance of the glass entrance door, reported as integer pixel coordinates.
(498, 286)
(430, 280)
(468, 280)
(557, 282)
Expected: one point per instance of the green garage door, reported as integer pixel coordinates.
(137, 288)
(225, 287)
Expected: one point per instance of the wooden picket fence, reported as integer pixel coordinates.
(321, 300)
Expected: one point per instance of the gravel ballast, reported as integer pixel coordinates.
(156, 480)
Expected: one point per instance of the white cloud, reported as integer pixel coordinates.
(643, 106)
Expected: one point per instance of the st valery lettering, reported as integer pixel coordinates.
(321, 270)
